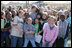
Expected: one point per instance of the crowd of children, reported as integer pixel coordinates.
(18, 27)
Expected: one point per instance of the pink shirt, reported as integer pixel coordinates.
(50, 35)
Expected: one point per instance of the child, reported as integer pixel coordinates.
(66, 14)
(41, 23)
(44, 17)
(33, 13)
(69, 21)
(2, 27)
(26, 16)
(69, 31)
(39, 16)
(50, 32)
(17, 30)
(36, 26)
(2, 20)
(63, 31)
(5, 31)
(29, 33)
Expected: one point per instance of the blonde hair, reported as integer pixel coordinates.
(29, 18)
(52, 17)
(3, 12)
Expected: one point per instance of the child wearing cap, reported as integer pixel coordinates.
(33, 13)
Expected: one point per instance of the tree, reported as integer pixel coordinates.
(2, 5)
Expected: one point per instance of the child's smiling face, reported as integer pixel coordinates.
(29, 21)
(44, 16)
(36, 21)
(38, 16)
(33, 9)
(51, 20)
(62, 18)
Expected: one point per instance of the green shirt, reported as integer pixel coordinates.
(36, 28)
(2, 23)
(6, 21)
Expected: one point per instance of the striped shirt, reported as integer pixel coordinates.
(62, 28)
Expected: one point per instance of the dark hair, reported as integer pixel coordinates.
(20, 8)
(40, 15)
(27, 15)
(17, 13)
(7, 14)
(63, 16)
(20, 11)
(10, 8)
(13, 13)
(67, 16)
(35, 19)
(37, 10)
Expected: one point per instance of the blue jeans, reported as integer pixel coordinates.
(32, 42)
(39, 44)
(46, 44)
(7, 41)
(16, 41)
(65, 42)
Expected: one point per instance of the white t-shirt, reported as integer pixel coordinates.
(45, 25)
(19, 22)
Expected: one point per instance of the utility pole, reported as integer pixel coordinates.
(26, 3)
